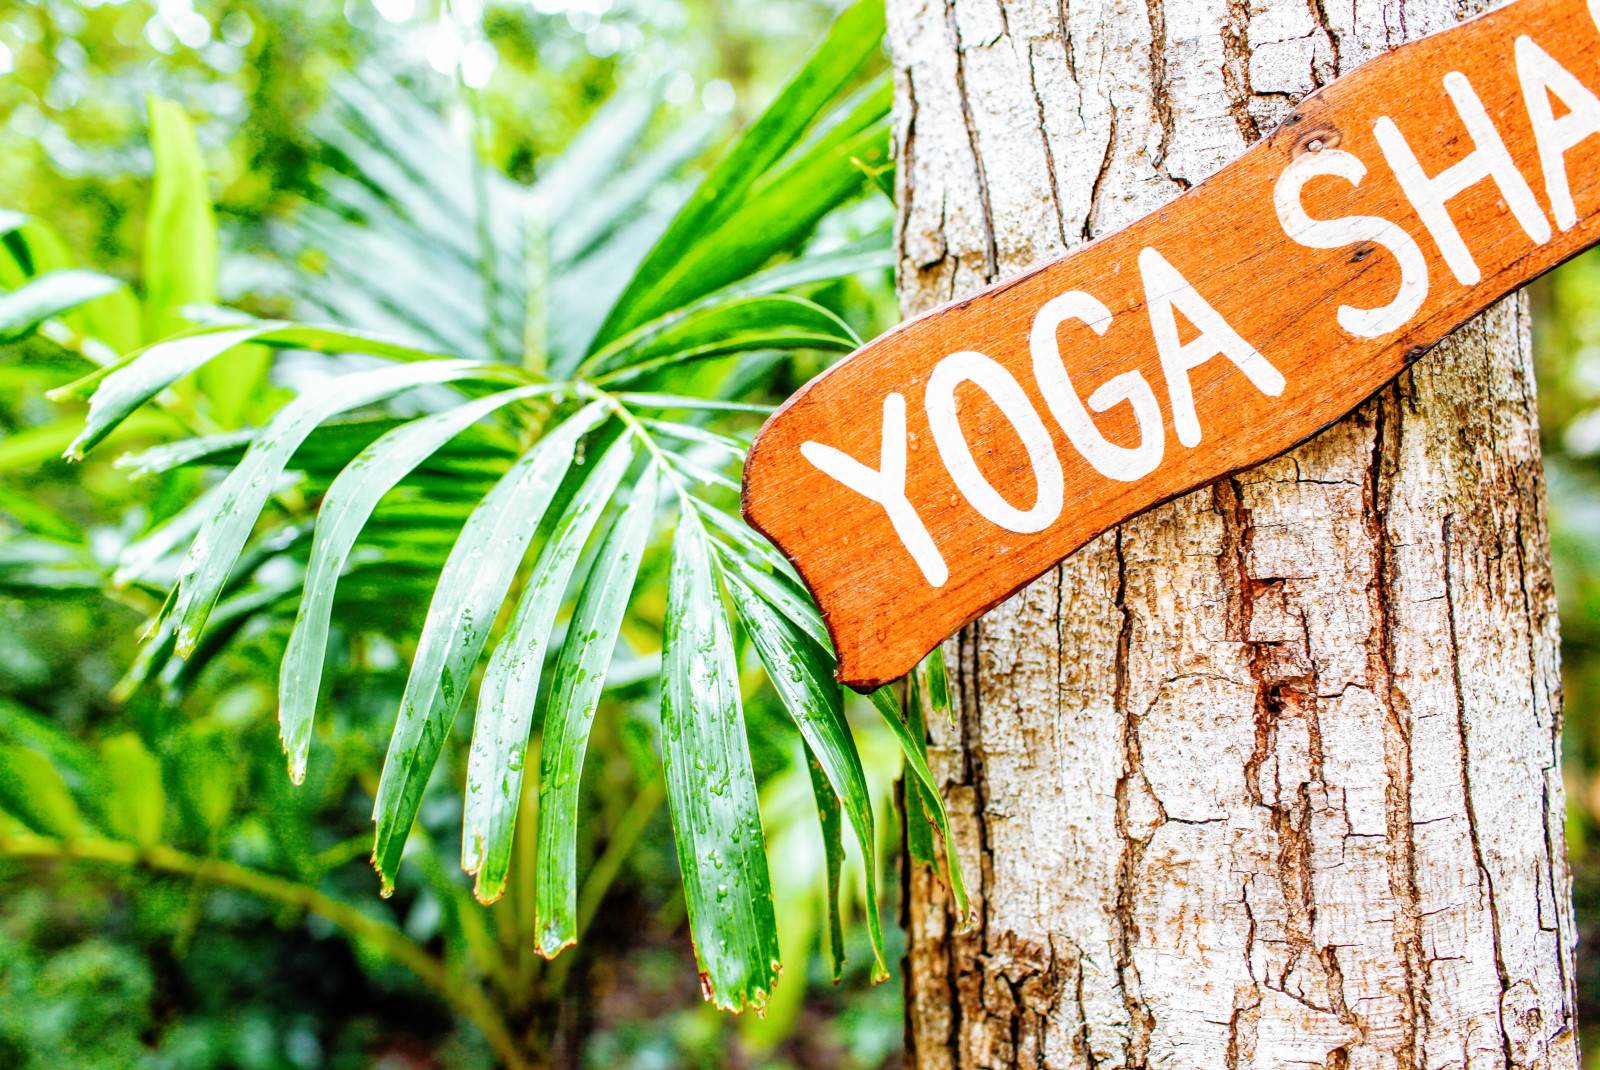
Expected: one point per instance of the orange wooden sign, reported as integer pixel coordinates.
(946, 464)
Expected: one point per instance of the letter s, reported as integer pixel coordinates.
(1351, 230)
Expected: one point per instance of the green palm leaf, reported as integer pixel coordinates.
(217, 545)
(50, 294)
(669, 278)
(123, 387)
(510, 687)
(772, 322)
(803, 676)
(889, 706)
(831, 820)
(711, 787)
(345, 510)
(575, 695)
(472, 586)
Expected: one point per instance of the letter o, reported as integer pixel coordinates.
(1007, 394)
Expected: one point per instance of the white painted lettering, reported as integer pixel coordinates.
(887, 487)
(1488, 159)
(1352, 230)
(1164, 290)
(1126, 463)
(1541, 75)
(1004, 390)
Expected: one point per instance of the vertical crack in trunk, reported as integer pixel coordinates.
(1235, 34)
(1486, 884)
(991, 256)
(1125, 929)
(1378, 495)
(1157, 15)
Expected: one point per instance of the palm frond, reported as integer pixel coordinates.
(642, 328)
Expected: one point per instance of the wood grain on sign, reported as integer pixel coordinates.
(946, 464)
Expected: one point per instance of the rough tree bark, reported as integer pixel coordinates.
(1268, 776)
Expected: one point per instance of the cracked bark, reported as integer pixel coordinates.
(1268, 775)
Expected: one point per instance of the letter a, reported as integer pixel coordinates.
(887, 487)
(1164, 290)
(1488, 159)
(1541, 75)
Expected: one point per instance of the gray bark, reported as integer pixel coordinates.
(1270, 775)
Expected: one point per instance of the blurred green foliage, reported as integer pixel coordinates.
(210, 913)
(1567, 348)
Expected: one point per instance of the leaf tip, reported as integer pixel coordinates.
(550, 945)
(385, 879)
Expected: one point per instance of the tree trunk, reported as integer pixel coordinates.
(1268, 776)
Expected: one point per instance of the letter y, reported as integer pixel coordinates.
(886, 486)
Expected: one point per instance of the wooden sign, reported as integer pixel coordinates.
(946, 464)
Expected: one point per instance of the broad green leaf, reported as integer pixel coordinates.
(574, 696)
(510, 685)
(180, 238)
(33, 792)
(803, 677)
(23, 309)
(711, 787)
(888, 705)
(660, 281)
(222, 536)
(345, 511)
(775, 321)
(76, 763)
(471, 588)
(135, 802)
(831, 821)
(123, 387)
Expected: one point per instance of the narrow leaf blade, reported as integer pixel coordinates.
(346, 508)
(23, 309)
(889, 706)
(472, 586)
(711, 785)
(222, 536)
(803, 677)
(831, 820)
(511, 682)
(580, 677)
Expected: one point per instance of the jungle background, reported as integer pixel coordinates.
(306, 115)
